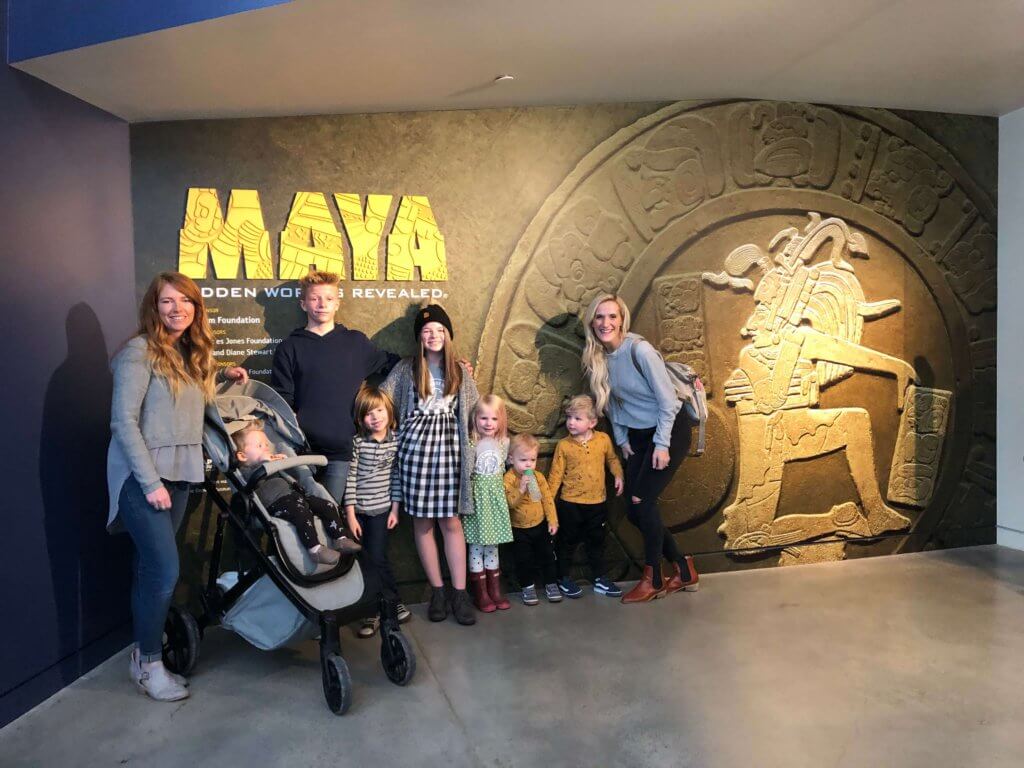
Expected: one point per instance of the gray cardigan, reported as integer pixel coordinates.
(148, 425)
(402, 389)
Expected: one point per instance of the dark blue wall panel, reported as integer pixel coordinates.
(67, 299)
(42, 27)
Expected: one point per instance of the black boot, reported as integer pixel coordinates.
(438, 608)
(462, 607)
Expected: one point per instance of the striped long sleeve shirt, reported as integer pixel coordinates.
(372, 477)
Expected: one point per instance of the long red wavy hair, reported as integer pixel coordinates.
(189, 361)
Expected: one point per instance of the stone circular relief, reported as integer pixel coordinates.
(829, 272)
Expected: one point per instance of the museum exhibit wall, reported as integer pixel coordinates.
(809, 261)
(1011, 329)
(68, 300)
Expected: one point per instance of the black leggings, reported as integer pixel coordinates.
(647, 483)
(299, 510)
(375, 550)
(581, 523)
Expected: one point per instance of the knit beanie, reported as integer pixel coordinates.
(432, 313)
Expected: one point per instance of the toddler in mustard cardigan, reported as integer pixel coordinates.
(578, 471)
(534, 520)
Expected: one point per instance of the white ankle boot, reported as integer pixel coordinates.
(157, 682)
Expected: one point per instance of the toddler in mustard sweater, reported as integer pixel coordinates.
(578, 471)
(534, 520)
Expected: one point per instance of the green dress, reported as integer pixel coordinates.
(490, 525)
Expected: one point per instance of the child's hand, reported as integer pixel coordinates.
(353, 524)
(276, 457)
(552, 529)
(619, 485)
(392, 519)
(524, 483)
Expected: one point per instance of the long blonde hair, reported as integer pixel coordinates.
(452, 369)
(190, 360)
(498, 406)
(595, 366)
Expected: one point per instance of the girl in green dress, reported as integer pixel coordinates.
(490, 526)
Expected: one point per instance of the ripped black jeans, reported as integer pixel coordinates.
(646, 483)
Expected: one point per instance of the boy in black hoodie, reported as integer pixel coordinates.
(318, 371)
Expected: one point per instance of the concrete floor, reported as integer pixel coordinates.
(913, 660)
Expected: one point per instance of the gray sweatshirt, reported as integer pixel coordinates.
(640, 401)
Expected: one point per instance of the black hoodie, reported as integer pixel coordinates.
(319, 376)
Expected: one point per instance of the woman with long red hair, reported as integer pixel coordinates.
(163, 379)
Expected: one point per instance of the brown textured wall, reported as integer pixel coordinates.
(541, 207)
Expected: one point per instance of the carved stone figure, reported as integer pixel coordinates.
(805, 334)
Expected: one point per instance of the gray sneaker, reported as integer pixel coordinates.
(404, 614)
(530, 595)
(552, 593)
(368, 628)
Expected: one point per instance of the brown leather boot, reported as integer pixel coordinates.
(644, 591)
(494, 589)
(478, 588)
(678, 582)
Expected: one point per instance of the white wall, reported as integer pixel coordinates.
(1010, 333)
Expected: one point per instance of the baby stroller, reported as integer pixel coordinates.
(280, 595)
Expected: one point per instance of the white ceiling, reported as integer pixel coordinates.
(335, 56)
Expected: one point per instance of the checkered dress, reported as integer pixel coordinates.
(429, 456)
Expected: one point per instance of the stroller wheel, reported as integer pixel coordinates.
(181, 641)
(397, 657)
(337, 684)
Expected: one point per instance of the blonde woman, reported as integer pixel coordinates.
(163, 378)
(632, 387)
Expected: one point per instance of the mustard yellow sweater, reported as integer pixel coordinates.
(523, 511)
(578, 468)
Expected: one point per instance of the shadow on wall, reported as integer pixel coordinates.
(89, 568)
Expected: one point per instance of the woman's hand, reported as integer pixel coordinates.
(660, 458)
(619, 486)
(159, 499)
(237, 373)
(627, 450)
(392, 519)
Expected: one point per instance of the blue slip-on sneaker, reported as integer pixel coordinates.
(570, 588)
(604, 586)
(530, 595)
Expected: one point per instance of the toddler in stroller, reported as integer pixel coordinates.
(284, 498)
(279, 592)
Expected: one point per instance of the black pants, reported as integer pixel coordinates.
(647, 483)
(299, 510)
(375, 550)
(578, 523)
(535, 557)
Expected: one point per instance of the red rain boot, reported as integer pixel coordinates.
(494, 589)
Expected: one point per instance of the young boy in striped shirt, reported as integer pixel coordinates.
(372, 491)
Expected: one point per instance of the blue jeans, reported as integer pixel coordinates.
(155, 569)
(333, 477)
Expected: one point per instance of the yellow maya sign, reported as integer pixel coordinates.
(310, 239)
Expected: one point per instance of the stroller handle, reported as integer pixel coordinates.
(282, 465)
